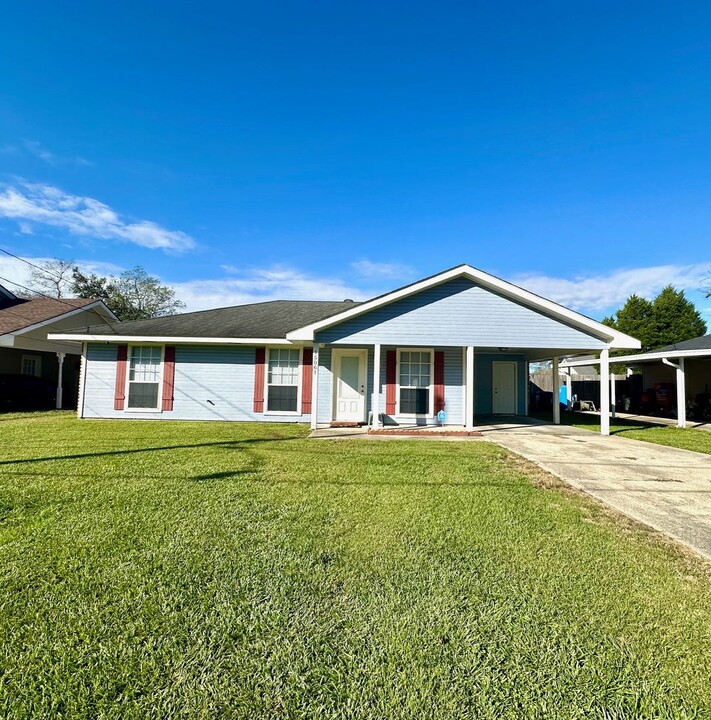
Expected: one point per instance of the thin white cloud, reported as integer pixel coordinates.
(596, 293)
(261, 285)
(25, 228)
(85, 216)
(382, 270)
(39, 151)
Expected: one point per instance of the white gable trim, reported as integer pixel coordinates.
(614, 338)
(63, 316)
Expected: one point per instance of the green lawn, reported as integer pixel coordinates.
(225, 570)
(684, 438)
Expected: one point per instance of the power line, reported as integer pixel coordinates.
(33, 321)
(44, 295)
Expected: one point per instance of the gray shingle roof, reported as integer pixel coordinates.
(699, 343)
(259, 320)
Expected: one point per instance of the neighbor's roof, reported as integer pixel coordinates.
(19, 314)
(259, 320)
(699, 343)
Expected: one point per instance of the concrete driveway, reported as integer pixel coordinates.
(663, 487)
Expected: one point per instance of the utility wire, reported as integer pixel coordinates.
(36, 292)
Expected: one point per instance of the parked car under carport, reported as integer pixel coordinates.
(25, 392)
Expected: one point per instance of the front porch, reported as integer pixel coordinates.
(391, 386)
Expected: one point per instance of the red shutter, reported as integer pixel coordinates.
(307, 380)
(390, 381)
(438, 381)
(168, 377)
(120, 391)
(259, 360)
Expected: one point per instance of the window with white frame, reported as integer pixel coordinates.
(32, 365)
(415, 368)
(144, 377)
(283, 380)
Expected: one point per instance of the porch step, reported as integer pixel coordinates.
(346, 424)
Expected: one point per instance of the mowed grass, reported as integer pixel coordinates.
(683, 438)
(163, 569)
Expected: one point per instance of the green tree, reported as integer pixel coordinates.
(133, 295)
(675, 318)
(670, 318)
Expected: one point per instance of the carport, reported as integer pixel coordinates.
(683, 366)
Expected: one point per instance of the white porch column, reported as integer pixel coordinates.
(680, 394)
(556, 392)
(314, 388)
(375, 403)
(60, 358)
(469, 406)
(613, 395)
(605, 392)
(569, 390)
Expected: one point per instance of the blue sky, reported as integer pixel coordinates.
(250, 151)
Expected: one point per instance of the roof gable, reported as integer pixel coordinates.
(456, 313)
(501, 287)
(24, 315)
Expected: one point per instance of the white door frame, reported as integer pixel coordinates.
(336, 355)
(515, 386)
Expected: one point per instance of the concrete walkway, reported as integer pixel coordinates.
(663, 487)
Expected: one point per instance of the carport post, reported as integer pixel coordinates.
(469, 382)
(680, 394)
(556, 392)
(605, 392)
(60, 358)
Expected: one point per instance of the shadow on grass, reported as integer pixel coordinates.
(227, 445)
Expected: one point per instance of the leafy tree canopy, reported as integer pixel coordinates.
(669, 318)
(133, 295)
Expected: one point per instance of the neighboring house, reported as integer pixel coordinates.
(25, 349)
(684, 366)
(457, 342)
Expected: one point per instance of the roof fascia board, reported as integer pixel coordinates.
(167, 339)
(49, 321)
(641, 357)
(615, 338)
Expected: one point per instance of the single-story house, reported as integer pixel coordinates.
(683, 367)
(445, 349)
(25, 349)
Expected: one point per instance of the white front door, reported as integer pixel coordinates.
(349, 368)
(504, 381)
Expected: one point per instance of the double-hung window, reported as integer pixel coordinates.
(144, 374)
(283, 380)
(415, 369)
(32, 365)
